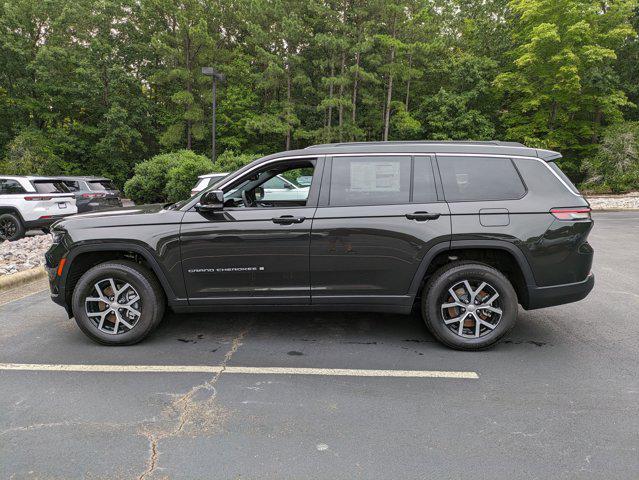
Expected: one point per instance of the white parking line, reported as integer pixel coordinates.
(339, 372)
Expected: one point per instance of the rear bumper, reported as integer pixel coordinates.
(541, 297)
(45, 222)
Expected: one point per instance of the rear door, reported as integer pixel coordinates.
(378, 217)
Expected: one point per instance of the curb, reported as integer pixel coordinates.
(26, 276)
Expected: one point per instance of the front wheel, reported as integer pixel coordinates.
(469, 306)
(117, 303)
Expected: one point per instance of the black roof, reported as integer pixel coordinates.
(493, 147)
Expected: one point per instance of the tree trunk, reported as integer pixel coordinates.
(410, 65)
(553, 114)
(354, 101)
(330, 97)
(597, 124)
(189, 88)
(341, 93)
(389, 96)
(288, 106)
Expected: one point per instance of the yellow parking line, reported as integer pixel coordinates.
(339, 372)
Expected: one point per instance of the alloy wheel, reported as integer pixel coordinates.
(471, 308)
(8, 228)
(113, 306)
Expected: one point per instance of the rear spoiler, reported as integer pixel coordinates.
(548, 155)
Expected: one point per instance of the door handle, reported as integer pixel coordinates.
(287, 220)
(422, 216)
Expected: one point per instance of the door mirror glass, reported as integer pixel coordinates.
(211, 201)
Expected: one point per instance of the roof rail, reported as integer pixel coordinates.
(498, 143)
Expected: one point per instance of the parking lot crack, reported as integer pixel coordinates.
(193, 413)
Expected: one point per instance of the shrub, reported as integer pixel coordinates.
(181, 178)
(230, 161)
(166, 177)
(615, 167)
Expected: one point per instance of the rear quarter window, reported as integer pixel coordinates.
(468, 179)
(571, 186)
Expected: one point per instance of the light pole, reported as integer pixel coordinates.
(215, 76)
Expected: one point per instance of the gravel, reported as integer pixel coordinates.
(23, 254)
(630, 201)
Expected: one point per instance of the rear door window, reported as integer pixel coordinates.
(370, 180)
(50, 186)
(468, 179)
(8, 186)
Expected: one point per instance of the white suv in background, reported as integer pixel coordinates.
(277, 188)
(32, 203)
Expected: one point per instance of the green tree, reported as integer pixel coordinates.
(560, 87)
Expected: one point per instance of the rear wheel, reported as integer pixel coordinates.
(117, 303)
(11, 227)
(469, 306)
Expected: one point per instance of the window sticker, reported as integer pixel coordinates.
(380, 176)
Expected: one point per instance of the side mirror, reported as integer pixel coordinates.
(211, 201)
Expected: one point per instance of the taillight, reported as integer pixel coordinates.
(582, 213)
(92, 195)
(36, 199)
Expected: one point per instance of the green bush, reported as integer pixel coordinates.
(615, 167)
(166, 177)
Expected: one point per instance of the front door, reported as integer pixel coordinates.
(256, 250)
(373, 226)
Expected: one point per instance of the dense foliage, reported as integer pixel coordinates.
(96, 86)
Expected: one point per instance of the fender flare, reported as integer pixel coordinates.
(13, 210)
(511, 248)
(124, 246)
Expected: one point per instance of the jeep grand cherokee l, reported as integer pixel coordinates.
(465, 231)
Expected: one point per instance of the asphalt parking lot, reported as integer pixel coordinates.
(559, 398)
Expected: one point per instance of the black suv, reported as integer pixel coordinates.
(465, 231)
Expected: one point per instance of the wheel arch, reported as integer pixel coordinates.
(500, 254)
(85, 256)
(12, 210)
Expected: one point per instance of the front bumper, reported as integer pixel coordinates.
(541, 297)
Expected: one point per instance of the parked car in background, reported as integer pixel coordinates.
(205, 181)
(277, 188)
(32, 203)
(93, 193)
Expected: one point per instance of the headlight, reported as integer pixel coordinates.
(58, 235)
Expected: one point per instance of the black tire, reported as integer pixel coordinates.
(151, 304)
(11, 227)
(436, 294)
